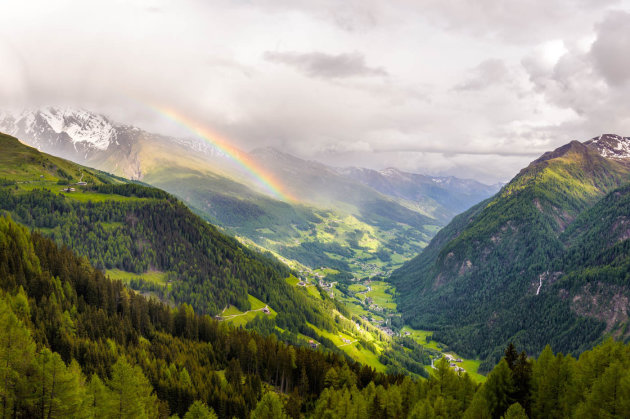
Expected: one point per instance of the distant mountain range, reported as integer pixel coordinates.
(545, 261)
(443, 197)
(344, 218)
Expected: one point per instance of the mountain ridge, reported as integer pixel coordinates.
(479, 274)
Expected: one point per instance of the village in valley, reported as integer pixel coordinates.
(372, 316)
(373, 300)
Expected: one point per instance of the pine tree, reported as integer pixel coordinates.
(269, 407)
(551, 384)
(199, 410)
(515, 411)
(607, 397)
(331, 378)
(511, 355)
(498, 389)
(17, 351)
(522, 373)
(58, 391)
(132, 393)
(293, 404)
(100, 397)
(478, 408)
(422, 410)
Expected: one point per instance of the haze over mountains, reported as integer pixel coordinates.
(383, 217)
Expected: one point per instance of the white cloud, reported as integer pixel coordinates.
(319, 64)
(472, 88)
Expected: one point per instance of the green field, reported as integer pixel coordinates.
(470, 365)
(420, 336)
(353, 349)
(292, 280)
(98, 197)
(237, 318)
(155, 277)
(380, 297)
(357, 288)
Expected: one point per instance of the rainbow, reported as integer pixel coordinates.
(265, 178)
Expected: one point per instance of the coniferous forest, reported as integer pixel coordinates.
(76, 344)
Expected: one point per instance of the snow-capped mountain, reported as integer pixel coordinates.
(93, 139)
(55, 128)
(611, 146)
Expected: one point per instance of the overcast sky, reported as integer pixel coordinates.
(471, 88)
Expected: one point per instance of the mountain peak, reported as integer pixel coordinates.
(611, 146)
(573, 146)
(81, 127)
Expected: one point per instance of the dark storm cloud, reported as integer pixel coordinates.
(327, 66)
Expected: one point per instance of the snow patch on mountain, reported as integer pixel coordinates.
(611, 146)
(87, 129)
(81, 126)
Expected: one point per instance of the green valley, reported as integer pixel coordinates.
(147, 239)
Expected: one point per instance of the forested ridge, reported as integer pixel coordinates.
(521, 266)
(135, 228)
(76, 344)
(210, 269)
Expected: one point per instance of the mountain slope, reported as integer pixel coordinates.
(339, 221)
(479, 280)
(134, 228)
